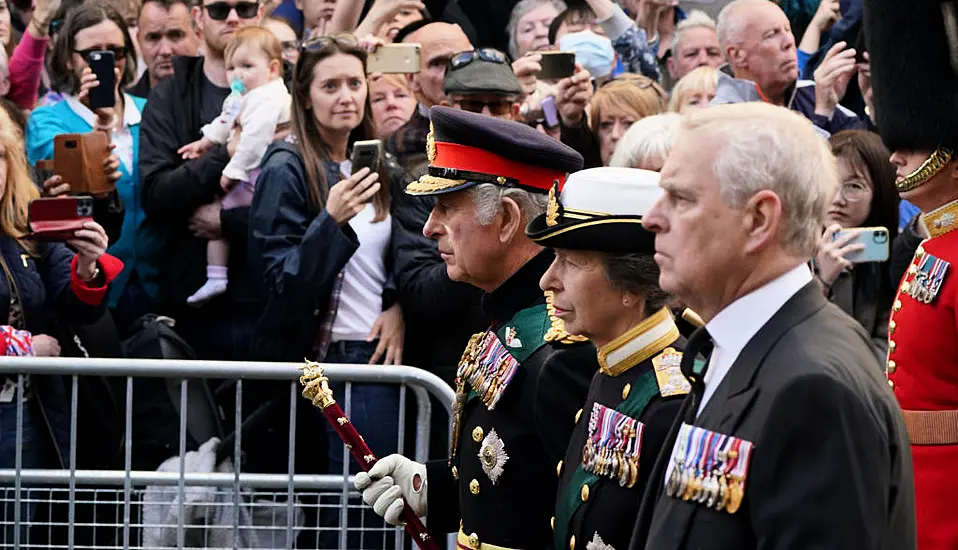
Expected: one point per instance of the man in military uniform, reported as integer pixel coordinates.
(605, 286)
(916, 103)
(518, 384)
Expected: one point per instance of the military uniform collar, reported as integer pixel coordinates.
(941, 220)
(520, 291)
(638, 344)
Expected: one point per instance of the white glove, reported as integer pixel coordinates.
(390, 481)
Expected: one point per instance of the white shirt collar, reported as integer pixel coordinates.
(735, 325)
(131, 115)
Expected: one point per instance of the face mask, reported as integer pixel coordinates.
(593, 51)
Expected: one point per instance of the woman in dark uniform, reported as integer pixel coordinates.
(604, 283)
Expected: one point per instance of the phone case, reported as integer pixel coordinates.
(366, 154)
(58, 219)
(875, 240)
(394, 59)
(104, 95)
(78, 159)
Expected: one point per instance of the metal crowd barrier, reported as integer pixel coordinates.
(277, 501)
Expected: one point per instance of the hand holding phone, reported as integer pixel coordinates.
(841, 248)
(58, 219)
(366, 154)
(348, 197)
(100, 90)
(556, 65)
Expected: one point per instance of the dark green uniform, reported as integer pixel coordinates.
(598, 499)
(510, 435)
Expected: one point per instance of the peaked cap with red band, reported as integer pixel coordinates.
(466, 149)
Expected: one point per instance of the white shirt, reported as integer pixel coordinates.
(122, 137)
(733, 327)
(364, 276)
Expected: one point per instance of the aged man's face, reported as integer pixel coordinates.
(769, 47)
(470, 250)
(697, 235)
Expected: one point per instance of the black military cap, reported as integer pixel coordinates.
(600, 209)
(485, 71)
(466, 149)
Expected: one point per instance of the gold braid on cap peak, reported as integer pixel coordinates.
(557, 332)
(935, 163)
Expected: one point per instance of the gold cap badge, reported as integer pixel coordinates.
(554, 209)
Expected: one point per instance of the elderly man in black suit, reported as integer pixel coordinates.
(790, 438)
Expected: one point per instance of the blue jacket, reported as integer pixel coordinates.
(139, 242)
(48, 301)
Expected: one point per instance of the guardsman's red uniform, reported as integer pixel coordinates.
(923, 372)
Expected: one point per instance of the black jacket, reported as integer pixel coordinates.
(173, 189)
(831, 467)
(142, 86)
(533, 420)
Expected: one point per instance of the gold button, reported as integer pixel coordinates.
(891, 384)
(896, 306)
(572, 543)
(905, 287)
(892, 325)
(891, 367)
(577, 416)
(559, 469)
(455, 473)
(477, 434)
(626, 390)
(474, 540)
(474, 487)
(501, 180)
(584, 493)
(913, 270)
(553, 523)
(920, 252)
(891, 346)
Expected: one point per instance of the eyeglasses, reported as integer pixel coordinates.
(320, 42)
(219, 11)
(854, 191)
(290, 45)
(462, 59)
(119, 52)
(497, 107)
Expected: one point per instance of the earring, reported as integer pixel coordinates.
(625, 302)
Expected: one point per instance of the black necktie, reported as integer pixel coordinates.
(694, 368)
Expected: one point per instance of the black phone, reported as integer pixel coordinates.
(102, 63)
(556, 65)
(366, 154)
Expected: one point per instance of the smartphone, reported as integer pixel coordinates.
(549, 113)
(875, 240)
(78, 159)
(102, 63)
(366, 154)
(556, 65)
(394, 59)
(58, 219)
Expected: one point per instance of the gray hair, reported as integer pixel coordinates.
(764, 147)
(520, 9)
(697, 19)
(488, 199)
(639, 274)
(647, 143)
(730, 27)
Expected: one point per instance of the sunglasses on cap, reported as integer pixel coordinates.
(219, 11)
(119, 52)
(320, 42)
(462, 59)
(497, 107)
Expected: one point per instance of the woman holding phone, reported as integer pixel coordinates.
(866, 197)
(96, 31)
(322, 234)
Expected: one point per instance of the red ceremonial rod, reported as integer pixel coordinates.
(316, 389)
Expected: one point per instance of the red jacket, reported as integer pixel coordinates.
(923, 372)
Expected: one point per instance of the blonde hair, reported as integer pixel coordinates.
(397, 80)
(630, 93)
(647, 143)
(702, 80)
(257, 37)
(765, 147)
(19, 189)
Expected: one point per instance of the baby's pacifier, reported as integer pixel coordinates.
(237, 86)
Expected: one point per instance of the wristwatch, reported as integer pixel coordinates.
(96, 273)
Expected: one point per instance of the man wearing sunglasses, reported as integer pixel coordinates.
(179, 195)
(482, 81)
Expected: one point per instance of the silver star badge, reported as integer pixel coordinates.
(492, 456)
(598, 544)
